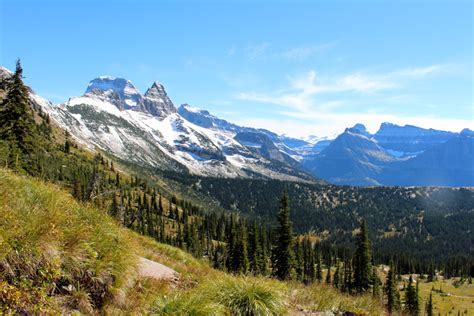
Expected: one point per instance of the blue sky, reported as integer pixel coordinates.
(300, 67)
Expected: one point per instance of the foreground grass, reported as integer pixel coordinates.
(58, 256)
(54, 250)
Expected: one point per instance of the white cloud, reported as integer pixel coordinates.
(304, 113)
(303, 88)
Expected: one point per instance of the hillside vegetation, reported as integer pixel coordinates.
(59, 256)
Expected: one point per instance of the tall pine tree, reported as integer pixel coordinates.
(282, 256)
(17, 124)
(412, 306)
(391, 291)
(429, 305)
(362, 261)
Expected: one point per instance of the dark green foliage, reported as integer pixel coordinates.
(309, 272)
(429, 305)
(376, 283)
(391, 291)
(16, 117)
(282, 255)
(392, 210)
(412, 306)
(337, 279)
(362, 261)
(319, 268)
(256, 256)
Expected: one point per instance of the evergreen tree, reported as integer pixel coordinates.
(17, 124)
(242, 261)
(328, 275)
(348, 276)
(255, 250)
(67, 143)
(308, 261)
(411, 299)
(319, 270)
(336, 280)
(362, 261)
(375, 283)
(282, 256)
(391, 291)
(429, 305)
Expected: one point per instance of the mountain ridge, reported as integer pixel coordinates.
(114, 116)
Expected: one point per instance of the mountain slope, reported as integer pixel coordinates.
(146, 129)
(408, 139)
(352, 158)
(448, 164)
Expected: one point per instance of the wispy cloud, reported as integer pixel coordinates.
(303, 88)
(265, 51)
(314, 104)
(256, 51)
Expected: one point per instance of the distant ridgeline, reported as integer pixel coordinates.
(238, 223)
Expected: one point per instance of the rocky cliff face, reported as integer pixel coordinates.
(409, 139)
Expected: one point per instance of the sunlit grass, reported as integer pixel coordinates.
(60, 256)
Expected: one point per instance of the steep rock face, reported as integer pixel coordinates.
(261, 144)
(351, 158)
(123, 94)
(117, 91)
(157, 102)
(408, 138)
(448, 164)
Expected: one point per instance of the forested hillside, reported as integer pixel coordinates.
(430, 224)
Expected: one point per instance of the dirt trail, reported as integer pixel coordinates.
(155, 270)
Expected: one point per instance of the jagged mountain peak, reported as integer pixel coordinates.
(125, 96)
(157, 90)
(359, 129)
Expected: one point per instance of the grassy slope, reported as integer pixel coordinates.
(453, 299)
(59, 255)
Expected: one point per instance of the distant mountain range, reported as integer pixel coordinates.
(147, 129)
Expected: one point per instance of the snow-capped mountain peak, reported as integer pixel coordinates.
(120, 92)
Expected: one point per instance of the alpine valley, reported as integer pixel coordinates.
(230, 167)
(78, 177)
